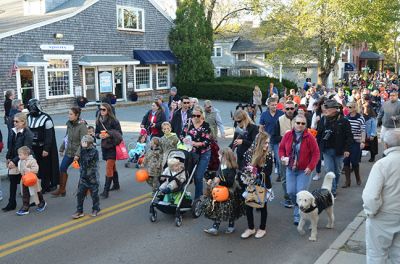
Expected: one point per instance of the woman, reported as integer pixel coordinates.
(172, 109)
(70, 147)
(245, 133)
(153, 120)
(317, 115)
(197, 132)
(299, 151)
(16, 107)
(259, 158)
(108, 129)
(9, 96)
(18, 136)
(371, 139)
(257, 98)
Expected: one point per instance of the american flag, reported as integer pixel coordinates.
(13, 68)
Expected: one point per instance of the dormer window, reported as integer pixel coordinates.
(130, 18)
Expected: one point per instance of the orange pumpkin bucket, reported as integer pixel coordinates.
(142, 175)
(29, 179)
(220, 193)
(75, 164)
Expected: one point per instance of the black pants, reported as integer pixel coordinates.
(44, 169)
(250, 217)
(14, 181)
(26, 197)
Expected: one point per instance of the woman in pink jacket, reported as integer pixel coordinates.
(299, 151)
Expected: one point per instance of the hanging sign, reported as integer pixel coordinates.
(57, 47)
(105, 82)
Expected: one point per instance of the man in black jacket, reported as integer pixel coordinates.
(181, 116)
(334, 138)
(173, 96)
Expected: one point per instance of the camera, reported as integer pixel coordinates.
(328, 134)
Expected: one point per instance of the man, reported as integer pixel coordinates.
(285, 123)
(181, 116)
(269, 119)
(389, 115)
(44, 145)
(381, 197)
(173, 96)
(163, 104)
(272, 90)
(334, 139)
(213, 118)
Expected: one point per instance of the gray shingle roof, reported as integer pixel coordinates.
(247, 45)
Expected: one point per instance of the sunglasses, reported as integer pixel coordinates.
(301, 123)
(350, 107)
(239, 121)
(197, 116)
(289, 108)
(186, 102)
(16, 121)
(103, 109)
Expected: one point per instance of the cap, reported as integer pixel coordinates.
(331, 104)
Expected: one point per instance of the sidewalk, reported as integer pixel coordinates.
(349, 247)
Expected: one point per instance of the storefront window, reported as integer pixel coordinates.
(58, 76)
(162, 77)
(143, 78)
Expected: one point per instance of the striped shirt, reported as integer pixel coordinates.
(357, 123)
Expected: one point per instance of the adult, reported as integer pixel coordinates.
(181, 116)
(318, 112)
(172, 109)
(357, 124)
(70, 147)
(173, 96)
(245, 134)
(300, 150)
(272, 90)
(164, 106)
(18, 136)
(389, 115)
(307, 84)
(259, 157)
(9, 96)
(381, 197)
(340, 97)
(16, 107)
(284, 124)
(153, 120)
(257, 98)
(213, 118)
(108, 129)
(334, 138)
(200, 138)
(371, 139)
(44, 145)
(193, 102)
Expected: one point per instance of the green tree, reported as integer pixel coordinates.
(191, 41)
(319, 30)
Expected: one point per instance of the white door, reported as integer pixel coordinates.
(27, 84)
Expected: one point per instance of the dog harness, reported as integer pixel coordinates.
(323, 200)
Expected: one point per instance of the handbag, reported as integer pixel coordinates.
(121, 151)
(256, 194)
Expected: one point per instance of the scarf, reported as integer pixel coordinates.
(295, 154)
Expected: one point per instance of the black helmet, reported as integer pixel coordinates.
(34, 107)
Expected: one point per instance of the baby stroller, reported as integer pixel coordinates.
(182, 198)
(132, 162)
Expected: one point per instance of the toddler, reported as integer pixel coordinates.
(176, 173)
(168, 141)
(153, 163)
(139, 150)
(27, 164)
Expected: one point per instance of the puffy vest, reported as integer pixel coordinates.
(285, 124)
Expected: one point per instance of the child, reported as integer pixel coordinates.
(233, 208)
(153, 163)
(89, 177)
(139, 150)
(91, 132)
(168, 141)
(176, 171)
(28, 164)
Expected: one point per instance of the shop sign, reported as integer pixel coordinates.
(105, 82)
(57, 47)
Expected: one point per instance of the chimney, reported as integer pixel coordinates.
(41, 7)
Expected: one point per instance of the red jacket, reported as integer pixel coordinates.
(309, 150)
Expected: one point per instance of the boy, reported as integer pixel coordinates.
(89, 177)
(91, 131)
(153, 163)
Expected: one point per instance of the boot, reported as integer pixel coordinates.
(63, 182)
(107, 185)
(115, 181)
(346, 170)
(357, 173)
(10, 206)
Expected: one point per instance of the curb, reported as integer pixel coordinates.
(341, 240)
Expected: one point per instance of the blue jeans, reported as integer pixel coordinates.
(354, 157)
(296, 181)
(202, 165)
(333, 163)
(65, 163)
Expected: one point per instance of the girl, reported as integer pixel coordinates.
(259, 164)
(139, 150)
(168, 141)
(233, 208)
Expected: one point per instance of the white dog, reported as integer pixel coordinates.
(312, 204)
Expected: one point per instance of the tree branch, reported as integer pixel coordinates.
(227, 16)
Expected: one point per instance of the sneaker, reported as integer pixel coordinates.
(316, 177)
(288, 204)
(23, 211)
(95, 213)
(230, 230)
(248, 233)
(276, 170)
(260, 233)
(296, 223)
(78, 215)
(41, 207)
(212, 231)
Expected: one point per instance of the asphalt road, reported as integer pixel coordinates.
(124, 234)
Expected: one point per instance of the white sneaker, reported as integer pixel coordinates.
(260, 233)
(316, 177)
(248, 233)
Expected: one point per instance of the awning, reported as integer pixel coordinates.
(107, 60)
(30, 61)
(369, 55)
(350, 67)
(155, 57)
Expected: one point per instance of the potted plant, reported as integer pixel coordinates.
(112, 98)
(81, 101)
(133, 96)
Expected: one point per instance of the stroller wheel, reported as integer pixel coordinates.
(197, 209)
(178, 221)
(153, 216)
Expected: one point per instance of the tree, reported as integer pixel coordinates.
(318, 30)
(191, 41)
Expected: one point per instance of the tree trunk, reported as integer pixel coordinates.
(396, 56)
(323, 76)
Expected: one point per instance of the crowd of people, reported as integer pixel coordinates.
(299, 133)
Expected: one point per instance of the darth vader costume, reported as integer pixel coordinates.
(44, 140)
